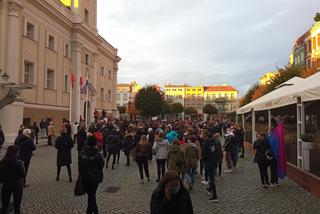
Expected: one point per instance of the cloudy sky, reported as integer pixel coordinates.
(207, 42)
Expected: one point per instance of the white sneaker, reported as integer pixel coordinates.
(205, 182)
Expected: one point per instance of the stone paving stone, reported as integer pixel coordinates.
(237, 192)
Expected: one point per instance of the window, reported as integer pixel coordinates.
(102, 97)
(109, 74)
(86, 16)
(117, 96)
(125, 97)
(66, 50)
(220, 95)
(51, 42)
(87, 59)
(232, 96)
(188, 89)
(193, 89)
(28, 72)
(102, 71)
(66, 81)
(199, 89)
(109, 96)
(30, 31)
(50, 79)
(214, 96)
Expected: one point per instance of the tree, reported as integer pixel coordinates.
(149, 101)
(166, 109)
(177, 108)
(210, 109)
(317, 17)
(259, 92)
(122, 109)
(190, 111)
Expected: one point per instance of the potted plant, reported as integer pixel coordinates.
(307, 141)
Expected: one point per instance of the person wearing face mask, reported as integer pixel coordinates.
(171, 197)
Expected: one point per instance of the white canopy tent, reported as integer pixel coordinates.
(286, 94)
(295, 91)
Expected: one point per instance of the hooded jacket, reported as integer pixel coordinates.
(91, 165)
(192, 155)
(211, 152)
(176, 159)
(161, 148)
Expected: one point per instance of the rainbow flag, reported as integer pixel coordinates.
(276, 140)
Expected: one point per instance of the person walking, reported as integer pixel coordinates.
(128, 144)
(91, 172)
(51, 133)
(81, 137)
(12, 174)
(192, 157)
(43, 127)
(2, 138)
(26, 148)
(211, 150)
(220, 153)
(171, 197)
(143, 153)
(113, 145)
(261, 146)
(229, 140)
(64, 144)
(36, 131)
(176, 160)
(160, 149)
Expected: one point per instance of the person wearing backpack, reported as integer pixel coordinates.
(160, 148)
(192, 157)
(91, 172)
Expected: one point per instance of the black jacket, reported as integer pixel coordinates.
(91, 165)
(64, 144)
(81, 139)
(12, 173)
(262, 147)
(113, 144)
(26, 148)
(179, 204)
(212, 152)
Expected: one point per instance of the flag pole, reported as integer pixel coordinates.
(87, 90)
(70, 102)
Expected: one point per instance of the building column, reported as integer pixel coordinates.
(253, 126)
(13, 65)
(11, 116)
(76, 48)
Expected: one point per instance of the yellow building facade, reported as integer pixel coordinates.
(266, 78)
(315, 44)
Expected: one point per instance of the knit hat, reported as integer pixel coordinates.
(91, 141)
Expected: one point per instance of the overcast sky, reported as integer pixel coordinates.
(207, 42)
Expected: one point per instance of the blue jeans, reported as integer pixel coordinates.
(192, 173)
(234, 154)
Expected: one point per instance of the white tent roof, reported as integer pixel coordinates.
(285, 94)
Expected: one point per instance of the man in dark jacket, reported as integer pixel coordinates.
(26, 148)
(81, 137)
(211, 151)
(171, 197)
(91, 172)
(113, 145)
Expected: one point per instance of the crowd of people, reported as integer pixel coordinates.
(181, 149)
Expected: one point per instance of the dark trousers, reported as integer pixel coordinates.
(59, 169)
(212, 186)
(263, 172)
(234, 154)
(201, 166)
(36, 136)
(91, 190)
(118, 157)
(113, 159)
(274, 173)
(49, 140)
(26, 164)
(128, 160)
(242, 149)
(6, 195)
(143, 164)
(220, 168)
(161, 168)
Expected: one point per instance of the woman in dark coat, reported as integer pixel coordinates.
(64, 144)
(12, 175)
(113, 145)
(171, 197)
(128, 144)
(261, 145)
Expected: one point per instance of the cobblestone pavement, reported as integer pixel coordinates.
(238, 192)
